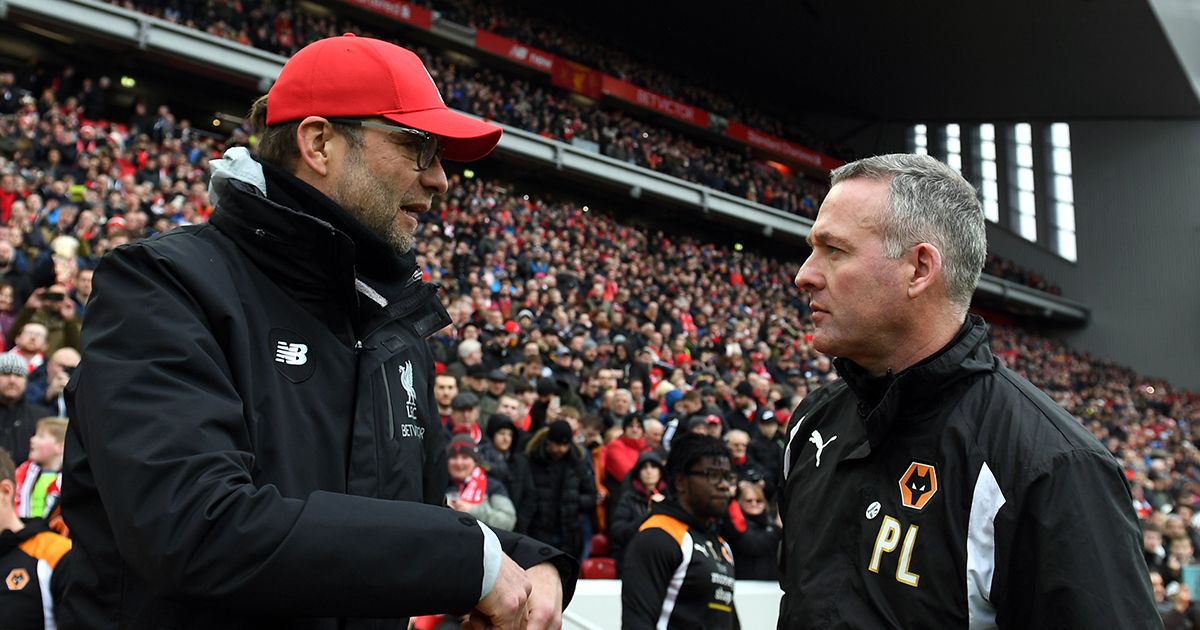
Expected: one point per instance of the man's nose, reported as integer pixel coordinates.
(434, 178)
(807, 277)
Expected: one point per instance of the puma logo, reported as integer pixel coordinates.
(815, 438)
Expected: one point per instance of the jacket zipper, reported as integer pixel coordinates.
(387, 391)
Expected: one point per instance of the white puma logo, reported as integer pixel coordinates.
(815, 438)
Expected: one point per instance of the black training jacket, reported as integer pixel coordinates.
(678, 575)
(245, 454)
(954, 495)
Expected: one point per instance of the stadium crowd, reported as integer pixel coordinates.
(531, 105)
(581, 346)
(511, 20)
(284, 28)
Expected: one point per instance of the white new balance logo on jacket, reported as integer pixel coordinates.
(291, 353)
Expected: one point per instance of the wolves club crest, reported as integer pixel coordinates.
(918, 484)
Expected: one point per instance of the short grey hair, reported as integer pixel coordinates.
(928, 202)
(469, 347)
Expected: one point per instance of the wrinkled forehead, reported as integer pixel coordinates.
(851, 205)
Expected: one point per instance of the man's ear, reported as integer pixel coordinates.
(926, 263)
(313, 136)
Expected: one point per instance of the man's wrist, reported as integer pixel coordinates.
(493, 555)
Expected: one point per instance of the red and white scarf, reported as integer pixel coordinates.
(474, 489)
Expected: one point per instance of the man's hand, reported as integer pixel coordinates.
(57, 385)
(66, 308)
(505, 607)
(35, 299)
(545, 602)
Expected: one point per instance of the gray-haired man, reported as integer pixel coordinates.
(931, 485)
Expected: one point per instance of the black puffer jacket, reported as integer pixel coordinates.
(565, 494)
(755, 550)
(512, 468)
(256, 445)
(633, 505)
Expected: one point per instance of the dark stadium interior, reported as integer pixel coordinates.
(1026, 59)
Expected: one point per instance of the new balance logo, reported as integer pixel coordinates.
(291, 353)
(815, 438)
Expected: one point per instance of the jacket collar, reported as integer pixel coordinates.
(671, 508)
(299, 235)
(10, 540)
(307, 256)
(918, 388)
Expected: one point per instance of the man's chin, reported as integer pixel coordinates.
(401, 245)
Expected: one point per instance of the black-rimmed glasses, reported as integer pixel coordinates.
(429, 150)
(715, 475)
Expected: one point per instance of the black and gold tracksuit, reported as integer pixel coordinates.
(678, 573)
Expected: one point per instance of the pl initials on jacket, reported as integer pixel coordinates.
(954, 494)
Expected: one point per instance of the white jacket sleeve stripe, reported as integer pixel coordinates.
(981, 549)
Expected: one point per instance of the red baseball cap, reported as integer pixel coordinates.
(361, 77)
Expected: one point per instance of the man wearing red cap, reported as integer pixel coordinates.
(256, 441)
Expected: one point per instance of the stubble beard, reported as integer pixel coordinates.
(374, 204)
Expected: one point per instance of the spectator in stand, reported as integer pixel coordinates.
(565, 488)
(473, 490)
(445, 388)
(621, 454)
(766, 448)
(748, 470)
(644, 486)
(756, 548)
(12, 274)
(1160, 593)
(1180, 554)
(475, 380)
(8, 311)
(676, 419)
(620, 409)
(18, 418)
(512, 407)
(653, 430)
(1152, 548)
(29, 555)
(29, 344)
(544, 405)
(350, 140)
(81, 291)
(1183, 613)
(705, 424)
(497, 385)
(39, 478)
(745, 413)
(504, 461)
(47, 383)
(470, 353)
(54, 310)
(464, 417)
